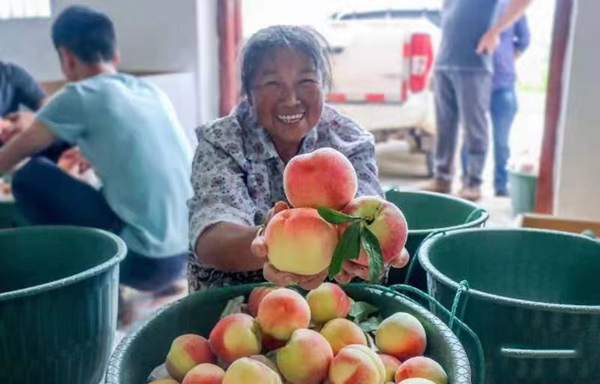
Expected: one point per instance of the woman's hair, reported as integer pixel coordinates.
(302, 39)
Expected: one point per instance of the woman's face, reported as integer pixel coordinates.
(287, 95)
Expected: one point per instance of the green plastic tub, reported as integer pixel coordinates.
(523, 187)
(534, 300)
(58, 304)
(7, 214)
(425, 213)
(145, 349)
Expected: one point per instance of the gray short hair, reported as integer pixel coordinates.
(302, 39)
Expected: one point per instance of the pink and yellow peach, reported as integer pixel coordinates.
(235, 336)
(328, 302)
(356, 364)
(402, 336)
(204, 374)
(300, 241)
(416, 381)
(250, 371)
(323, 178)
(281, 312)
(385, 220)
(391, 365)
(423, 368)
(305, 359)
(186, 352)
(256, 297)
(341, 333)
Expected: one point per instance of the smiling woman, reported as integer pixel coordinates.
(238, 168)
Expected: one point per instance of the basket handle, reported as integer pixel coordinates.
(517, 353)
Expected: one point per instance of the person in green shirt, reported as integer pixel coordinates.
(128, 131)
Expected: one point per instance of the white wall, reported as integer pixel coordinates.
(578, 156)
(153, 35)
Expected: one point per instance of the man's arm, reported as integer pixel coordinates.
(522, 36)
(490, 40)
(26, 144)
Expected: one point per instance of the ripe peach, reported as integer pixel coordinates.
(342, 332)
(328, 302)
(356, 364)
(235, 336)
(402, 336)
(204, 374)
(300, 241)
(266, 361)
(391, 365)
(270, 344)
(424, 368)
(256, 297)
(385, 220)
(186, 352)
(323, 178)
(250, 371)
(281, 312)
(305, 359)
(416, 381)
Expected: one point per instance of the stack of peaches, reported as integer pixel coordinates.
(283, 337)
(328, 225)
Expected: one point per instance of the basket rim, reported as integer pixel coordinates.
(426, 263)
(115, 363)
(426, 231)
(120, 254)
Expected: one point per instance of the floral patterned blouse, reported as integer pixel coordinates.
(237, 177)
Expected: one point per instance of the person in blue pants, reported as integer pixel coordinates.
(503, 107)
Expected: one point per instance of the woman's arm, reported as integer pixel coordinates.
(226, 247)
(490, 40)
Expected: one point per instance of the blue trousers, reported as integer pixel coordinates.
(45, 195)
(503, 109)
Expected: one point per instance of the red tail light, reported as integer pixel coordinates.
(421, 61)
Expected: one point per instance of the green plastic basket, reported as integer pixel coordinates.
(145, 349)
(58, 304)
(7, 214)
(534, 300)
(522, 192)
(426, 213)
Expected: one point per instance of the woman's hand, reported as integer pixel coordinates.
(72, 161)
(259, 249)
(350, 269)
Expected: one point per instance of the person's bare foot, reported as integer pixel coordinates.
(437, 185)
(472, 193)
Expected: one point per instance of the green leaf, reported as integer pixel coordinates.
(347, 248)
(371, 246)
(335, 217)
(371, 324)
(361, 310)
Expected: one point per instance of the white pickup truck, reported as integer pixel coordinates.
(382, 56)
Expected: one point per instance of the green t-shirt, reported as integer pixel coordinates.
(129, 132)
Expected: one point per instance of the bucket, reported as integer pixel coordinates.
(138, 354)
(425, 213)
(522, 192)
(534, 300)
(58, 303)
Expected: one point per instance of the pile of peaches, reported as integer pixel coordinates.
(283, 337)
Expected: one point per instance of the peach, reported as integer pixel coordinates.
(356, 364)
(235, 336)
(342, 332)
(402, 336)
(250, 371)
(391, 365)
(164, 381)
(256, 297)
(323, 178)
(186, 352)
(417, 381)
(300, 241)
(204, 374)
(266, 361)
(385, 220)
(281, 312)
(305, 359)
(423, 368)
(328, 302)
